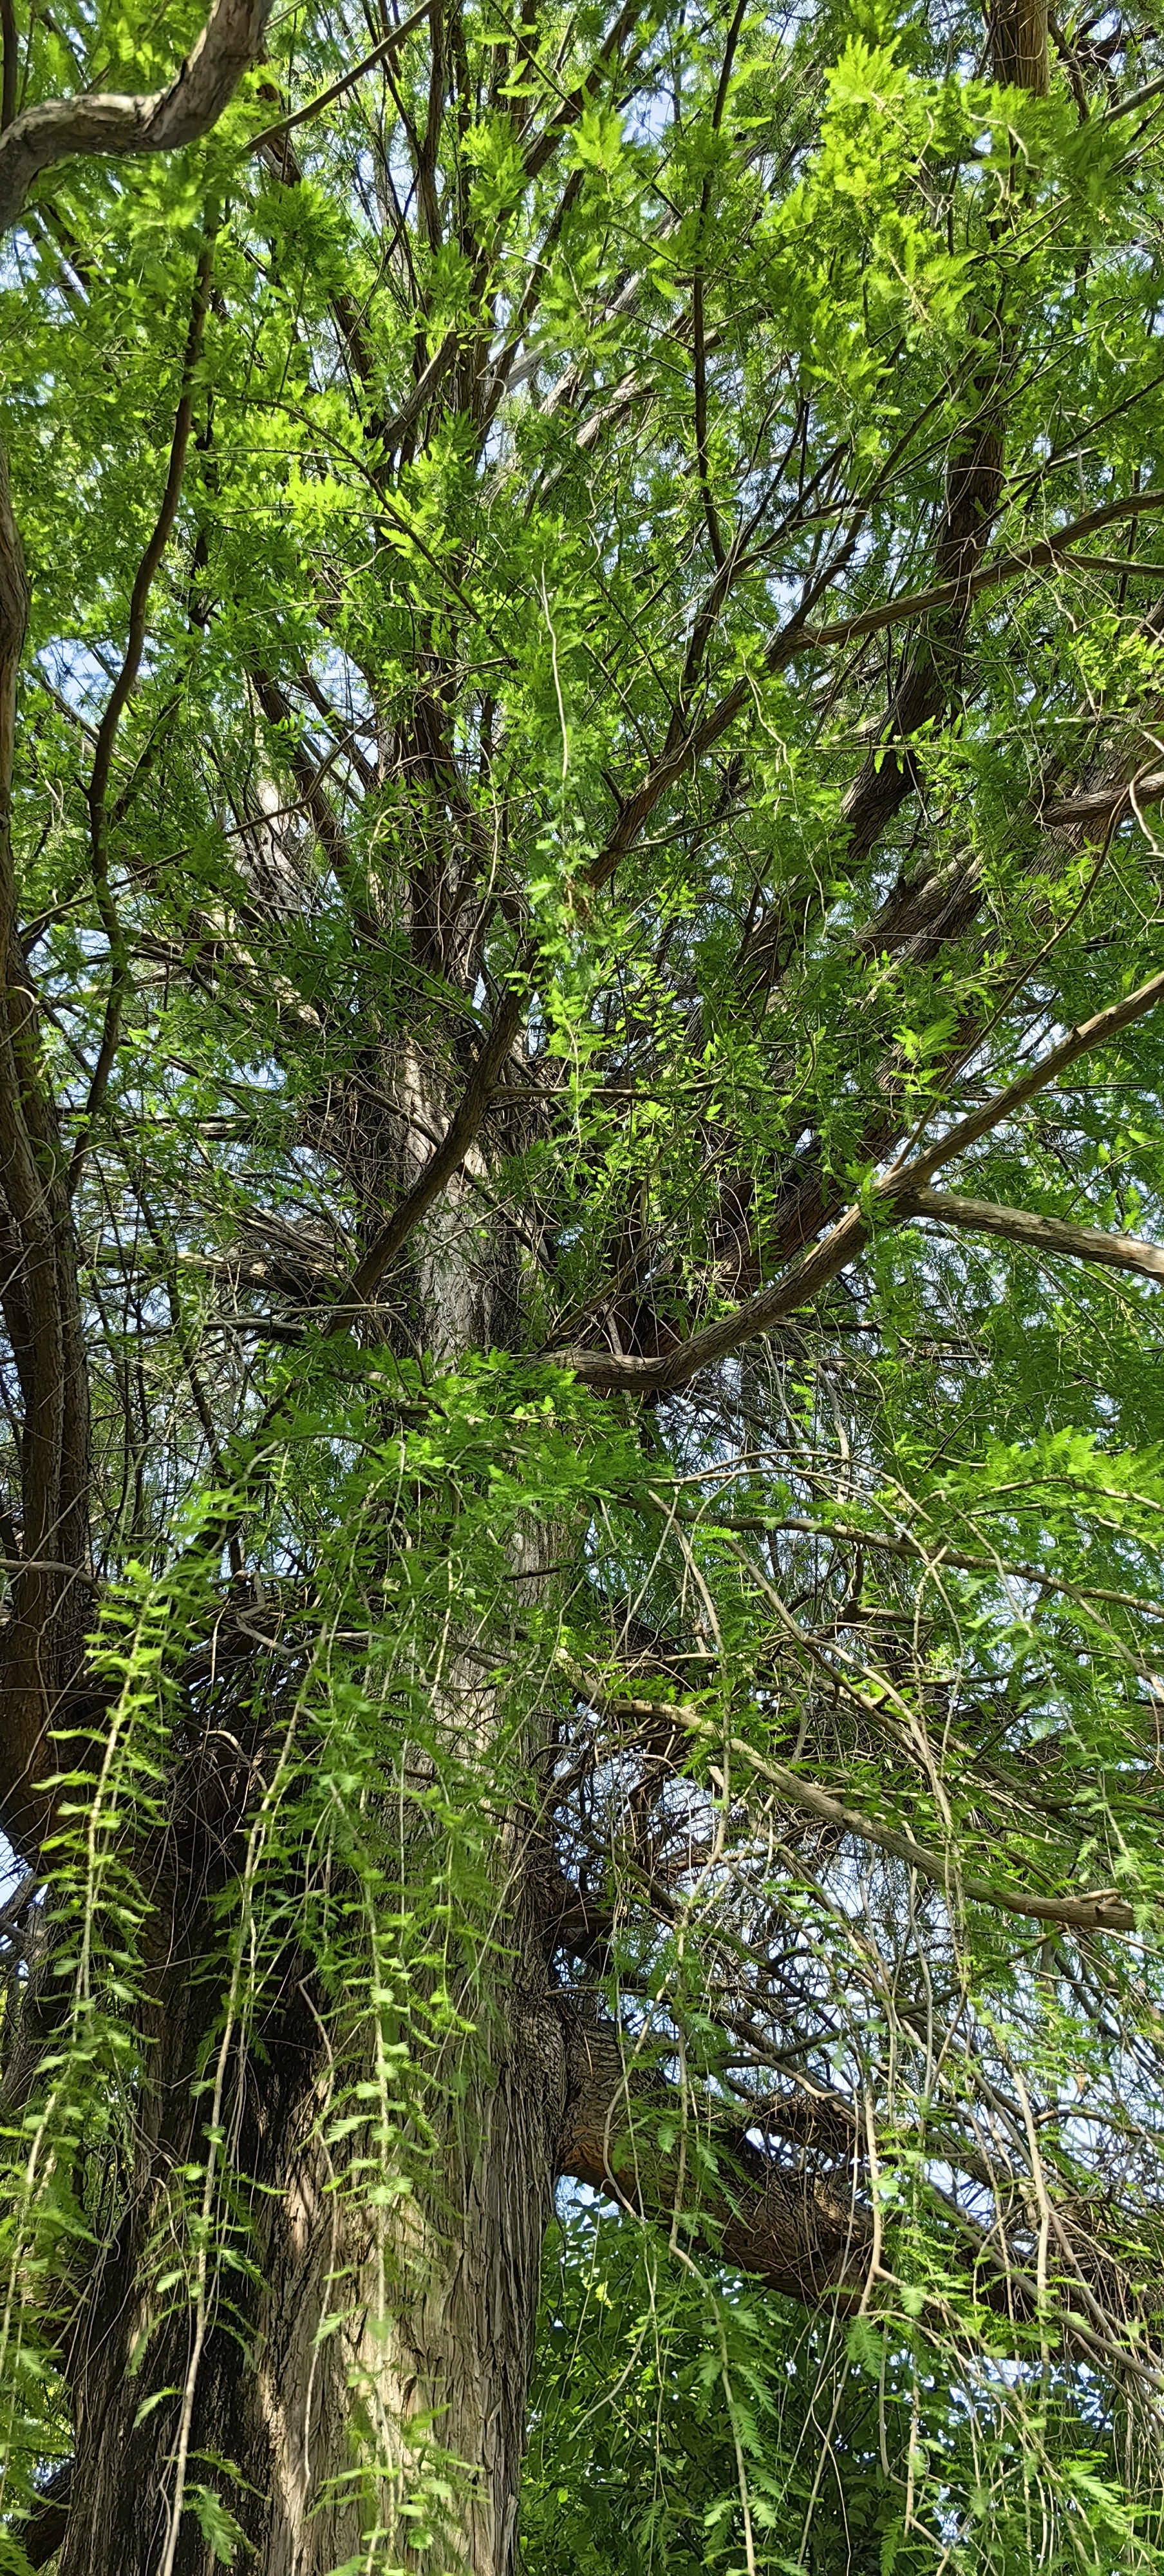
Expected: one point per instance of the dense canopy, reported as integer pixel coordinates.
(581, 1159)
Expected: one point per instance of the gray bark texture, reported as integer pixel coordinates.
(367, 2377)
(362, 2365)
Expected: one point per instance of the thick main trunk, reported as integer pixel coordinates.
(45, 1541)
(351, 2380)
(359, 2393)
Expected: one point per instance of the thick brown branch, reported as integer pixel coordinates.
(1040, 1233)
(1040, 557)
(847, 1238)
(928, 689)
(42, 1640)
(1018, 45)
(1080, 1041)
(1100, 804)
(159, 121)
(783, 2224)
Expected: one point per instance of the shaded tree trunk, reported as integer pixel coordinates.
(354, 2390)
(367, 2382)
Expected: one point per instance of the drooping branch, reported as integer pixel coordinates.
(108, 123)
(1100, 1910)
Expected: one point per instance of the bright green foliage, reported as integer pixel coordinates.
(572, 390)
(661, 2400)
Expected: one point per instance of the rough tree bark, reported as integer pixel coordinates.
(365, 2337)
(429, 2363)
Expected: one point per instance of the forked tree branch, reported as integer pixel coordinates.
(797, 2228)
(158, 121)
(892, 1200)
(388, 45)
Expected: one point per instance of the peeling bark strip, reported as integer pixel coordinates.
(59, 129)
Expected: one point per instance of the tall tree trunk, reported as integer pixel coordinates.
(354, 2390)
(360, 2398)
(47, 1547)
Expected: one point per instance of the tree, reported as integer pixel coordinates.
(580, 1139)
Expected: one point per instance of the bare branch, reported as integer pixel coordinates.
(119, 696)
(1040, 1233)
